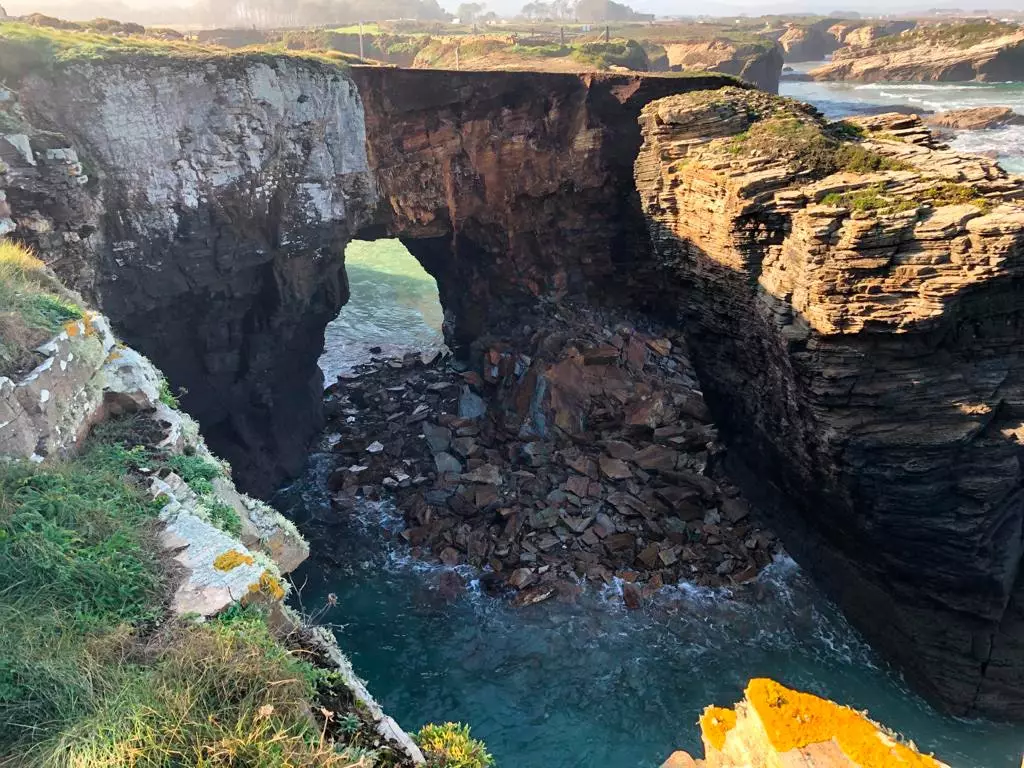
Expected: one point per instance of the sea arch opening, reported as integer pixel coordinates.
(393, 308)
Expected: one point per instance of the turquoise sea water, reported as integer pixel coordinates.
(562, 685)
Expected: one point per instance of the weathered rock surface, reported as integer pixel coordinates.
(777, 726)
(212, 230)
(997, 59)
(815, 41)
(511, 186)
(866, 357)
(760, 65)
(975, 118)
(222, 191)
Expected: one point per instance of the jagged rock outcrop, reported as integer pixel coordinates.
(857, 335)
(758, 64)
(975, 118)
(222, 193)
(776, 726)
(815, 41)
(808, 43)
(925, 59)
(512, 186)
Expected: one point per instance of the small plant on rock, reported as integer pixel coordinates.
(451, 746)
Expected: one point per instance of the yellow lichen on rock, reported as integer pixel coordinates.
(715, 724)
(793, 720)
(231, 559)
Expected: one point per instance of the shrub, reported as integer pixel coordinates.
(167, 397)
(451, 746)
(622, 53)
(949, 193)
(871, 198)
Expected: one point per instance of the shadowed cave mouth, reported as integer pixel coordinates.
(393, 309)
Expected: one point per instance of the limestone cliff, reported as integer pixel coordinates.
(924, 57)
(857, 334)
(211, 229)
(757, 63)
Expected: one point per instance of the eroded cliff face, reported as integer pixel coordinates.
(513, 187)
(760, 65)
(211, 230)
(925, 60)
(214, 198)
(858, 337)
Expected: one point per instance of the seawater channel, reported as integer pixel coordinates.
(567, 685)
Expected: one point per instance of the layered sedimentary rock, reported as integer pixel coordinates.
(975, 118)
(512, 186)
(776, 726)
(923, 59)
(759, 64)
(210, 226)
(858, 337)
(205, 204)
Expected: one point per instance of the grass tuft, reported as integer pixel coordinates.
(33, 308)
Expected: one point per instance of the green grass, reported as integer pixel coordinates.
(33, 308)
(949, 193)
(92, 670)
(872, 198)
(26, 48)
(621, 53)
(76, 566)
(122, 450)
(819, 149)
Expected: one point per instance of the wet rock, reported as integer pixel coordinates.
(533, 595)
(631, 596)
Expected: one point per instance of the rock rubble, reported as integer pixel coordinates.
(579, 451)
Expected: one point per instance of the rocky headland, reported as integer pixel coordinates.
(846, 306)
(815, 41)
(955, 53)
(836, 305)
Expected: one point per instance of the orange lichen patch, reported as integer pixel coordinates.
(715, 724)
(268, 585)
(71, 328)
(231, 559)
(794, 720)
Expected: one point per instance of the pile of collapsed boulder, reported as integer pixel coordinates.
(577, 450)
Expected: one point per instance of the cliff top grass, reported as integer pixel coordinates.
(501, 52)
(33, 308)
(25, 48)
(958, 34)
(779, 129)
(94, 670)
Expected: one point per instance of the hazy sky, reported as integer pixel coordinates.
(660, 7)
